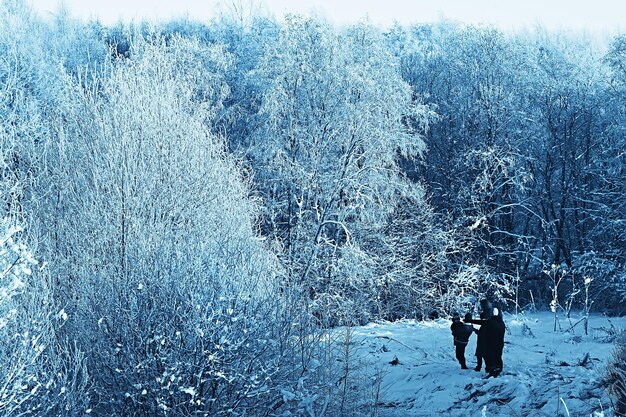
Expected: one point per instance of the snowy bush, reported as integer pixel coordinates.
(598, 280)
(154, 252)
(39, 375)
(16, 260)
(17, 355)
(518, 325)
(615, 377)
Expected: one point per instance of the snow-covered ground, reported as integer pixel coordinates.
(544, 371)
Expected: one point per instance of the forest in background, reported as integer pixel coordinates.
(188, 207)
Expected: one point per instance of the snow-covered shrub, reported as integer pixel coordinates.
(411, 259)
(39, 375)
(518, 325)
(333, 380)
(16, 260)
(162, 282)
(152, 241)
(615, 377)
(598, 279)
(425, 265)
(17, 355)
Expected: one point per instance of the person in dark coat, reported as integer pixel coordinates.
(479, 340)
(491, 338)
(461, 333)
(485, 314)
(497, 343)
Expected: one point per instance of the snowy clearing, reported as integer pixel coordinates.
(545, 373)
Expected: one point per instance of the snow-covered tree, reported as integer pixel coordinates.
(327, 155)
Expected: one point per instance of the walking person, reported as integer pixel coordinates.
(461, 333)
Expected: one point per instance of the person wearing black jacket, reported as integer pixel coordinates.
(479, 340)
(498, 330)
(491, 338)
(461, 333)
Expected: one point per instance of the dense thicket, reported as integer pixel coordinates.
(527, 160)
(187, 207)
(518, 195)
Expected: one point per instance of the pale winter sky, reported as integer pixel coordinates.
(595, 16)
